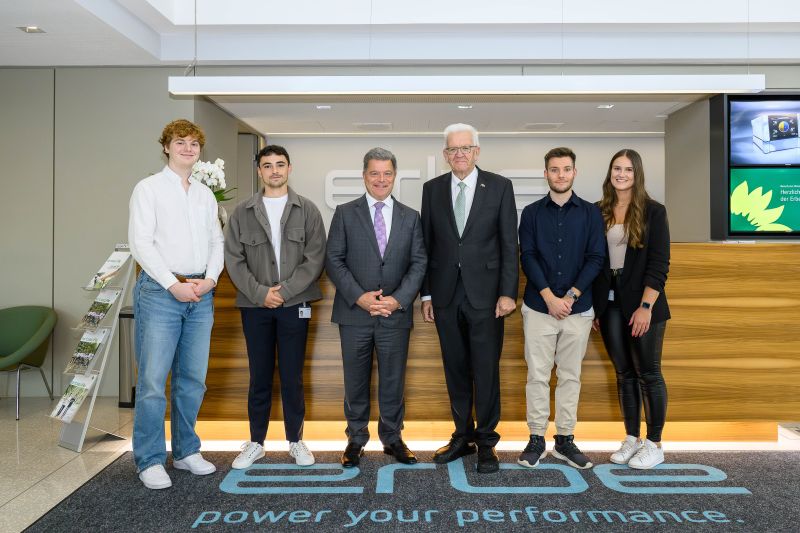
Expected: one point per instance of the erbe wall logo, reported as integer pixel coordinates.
(341, 186)
(332, 479)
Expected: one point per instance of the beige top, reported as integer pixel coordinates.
(617, 244)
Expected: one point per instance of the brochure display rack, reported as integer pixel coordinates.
(88, 362)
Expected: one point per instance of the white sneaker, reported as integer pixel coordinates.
(195, 464)
(302, 455)
(648, 456)
(155, 477)
(251, 452)
(629, 447)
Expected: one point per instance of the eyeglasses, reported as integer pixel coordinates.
(466, 150)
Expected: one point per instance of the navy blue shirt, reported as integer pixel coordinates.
(561, 248)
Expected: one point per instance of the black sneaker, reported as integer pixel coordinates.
(566, 450)
(534, 451)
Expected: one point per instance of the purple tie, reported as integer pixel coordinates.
(380, 227)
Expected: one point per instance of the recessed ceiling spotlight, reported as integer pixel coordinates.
(605, 106)
(324, 107)
(31, 29)
(465, 107)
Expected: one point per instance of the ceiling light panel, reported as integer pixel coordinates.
(465, 85)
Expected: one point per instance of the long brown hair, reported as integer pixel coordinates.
(634, 222)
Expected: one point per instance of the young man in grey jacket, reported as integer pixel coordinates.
(274, 252)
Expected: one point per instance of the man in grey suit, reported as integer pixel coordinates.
(376, 259)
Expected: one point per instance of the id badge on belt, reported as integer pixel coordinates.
(304, 311)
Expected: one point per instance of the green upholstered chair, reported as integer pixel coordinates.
(24, 337)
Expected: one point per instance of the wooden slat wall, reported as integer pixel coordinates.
(731, 350)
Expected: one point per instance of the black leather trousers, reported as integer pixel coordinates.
(637, 362)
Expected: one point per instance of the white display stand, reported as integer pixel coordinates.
(73, 434)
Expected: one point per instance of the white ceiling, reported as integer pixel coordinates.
(422, 35)
(630, 115)
(351, 32)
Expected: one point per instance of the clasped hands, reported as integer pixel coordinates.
(192, 290)
(376, 304)
(559, 308)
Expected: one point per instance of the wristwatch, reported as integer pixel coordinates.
(646, 305)
(572, 294)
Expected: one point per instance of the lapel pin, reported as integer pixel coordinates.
(483, 185)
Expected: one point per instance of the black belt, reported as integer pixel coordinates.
(616, 272)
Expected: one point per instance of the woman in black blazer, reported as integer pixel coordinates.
(631, 306)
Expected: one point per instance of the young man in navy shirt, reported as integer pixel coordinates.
(562, 243)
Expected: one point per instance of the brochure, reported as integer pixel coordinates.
(99, 308)
(107, 272)
(76, 392)
(84, 357)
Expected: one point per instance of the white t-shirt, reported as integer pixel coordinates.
(275, 207)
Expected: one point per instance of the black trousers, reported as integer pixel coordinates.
(391, 348)
(637, 362)
(471, 341)
(265, 330)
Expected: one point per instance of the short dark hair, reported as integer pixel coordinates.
(272, 149)
(561, 151)
(380, 154)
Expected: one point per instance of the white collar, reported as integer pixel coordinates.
(471, 180)
(388, 201)
(173, 176)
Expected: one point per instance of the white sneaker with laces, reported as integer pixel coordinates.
(155, 477)
(251, 452)
(195, 464)
(302, 455)
(629, 447)
(648, 456)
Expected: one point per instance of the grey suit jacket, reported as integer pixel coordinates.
(355, 266)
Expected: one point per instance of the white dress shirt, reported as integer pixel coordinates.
(469, 191)
(386, 211)
(171, 230)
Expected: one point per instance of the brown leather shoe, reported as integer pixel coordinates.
(352, 455)
(400, 452)
(457, 447)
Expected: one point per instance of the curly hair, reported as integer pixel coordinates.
(181, 128)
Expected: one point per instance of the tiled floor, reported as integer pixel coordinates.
(36, 473)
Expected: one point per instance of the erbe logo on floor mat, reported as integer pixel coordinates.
(252, 480)
(332, 479)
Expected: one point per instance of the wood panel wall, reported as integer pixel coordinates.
(732, 349)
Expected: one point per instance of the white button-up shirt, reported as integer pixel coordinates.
(469, 191)
(173, 230)
(386, 211)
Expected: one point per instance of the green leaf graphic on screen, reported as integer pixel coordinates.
(751, 212)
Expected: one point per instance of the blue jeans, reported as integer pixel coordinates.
(170, 336)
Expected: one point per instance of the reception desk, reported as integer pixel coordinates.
(732, 348)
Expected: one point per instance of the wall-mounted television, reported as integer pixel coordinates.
(755, 166)
(764, 132)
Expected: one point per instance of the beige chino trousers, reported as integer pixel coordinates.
(562, 343)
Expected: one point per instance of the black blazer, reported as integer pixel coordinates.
(644, 267)
(355, 266)
(487, 251)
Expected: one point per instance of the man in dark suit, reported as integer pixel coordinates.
(469, 220)
(376, 259)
